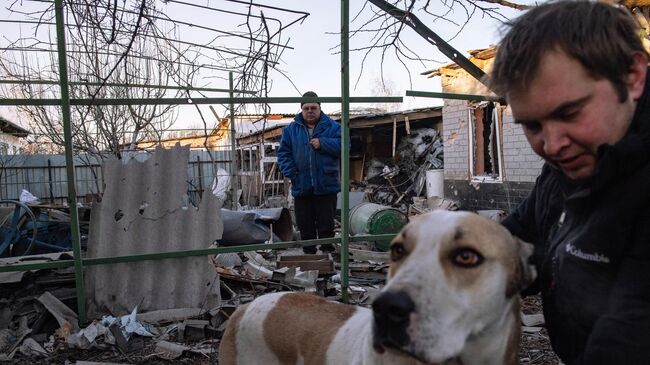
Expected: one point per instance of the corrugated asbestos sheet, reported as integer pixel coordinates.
(145, 210)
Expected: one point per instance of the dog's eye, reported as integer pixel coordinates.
(466, 257)
(397, 251)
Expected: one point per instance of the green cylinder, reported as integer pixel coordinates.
(371, 218)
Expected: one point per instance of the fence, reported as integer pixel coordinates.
(45, 175)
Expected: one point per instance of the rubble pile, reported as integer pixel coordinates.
(39, 324)
(396, 182)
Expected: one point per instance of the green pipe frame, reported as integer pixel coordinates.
(191, 101)
(65, 102)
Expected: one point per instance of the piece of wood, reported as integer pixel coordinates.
(407, 124)
(392, 185)
(322, 263)
(323, 267)
(394, 135)
(305, 257)
(363, 167)
(365, 255)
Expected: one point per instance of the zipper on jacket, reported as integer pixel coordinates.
(309, 152)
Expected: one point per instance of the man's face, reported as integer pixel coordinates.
(311, 113)
(566, 113)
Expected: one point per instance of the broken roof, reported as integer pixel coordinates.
(359, 118)
(11, 128)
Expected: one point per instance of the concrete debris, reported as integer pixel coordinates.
(526, 329)
(169, 350)
(169, 315)
(227, 260)
(60, 311)
(87, 337)
(296, 277)
(11, 339)
(32, 349)
(532, 320)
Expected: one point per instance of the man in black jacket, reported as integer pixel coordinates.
(575, 76)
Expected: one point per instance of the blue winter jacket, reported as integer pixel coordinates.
(312, 172)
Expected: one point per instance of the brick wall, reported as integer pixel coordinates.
(456, 139)
(521, 164)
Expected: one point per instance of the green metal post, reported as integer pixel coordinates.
(345, 146)
(234, 183)
(69, 161)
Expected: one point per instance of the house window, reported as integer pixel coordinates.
(485, 141)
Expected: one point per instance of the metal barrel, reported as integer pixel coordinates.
(371, 218)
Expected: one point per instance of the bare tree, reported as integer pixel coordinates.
(113, 51)
(386, 21)
(384, 87)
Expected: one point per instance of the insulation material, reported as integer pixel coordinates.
(145, 210)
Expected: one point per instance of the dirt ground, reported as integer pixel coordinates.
(535, 350)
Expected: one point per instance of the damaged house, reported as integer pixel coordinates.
(390, 153)
(488, 162)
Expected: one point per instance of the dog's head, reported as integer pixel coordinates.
(452, 275)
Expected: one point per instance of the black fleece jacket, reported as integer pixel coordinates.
(592, 251)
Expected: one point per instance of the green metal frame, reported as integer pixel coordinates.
(65, 102)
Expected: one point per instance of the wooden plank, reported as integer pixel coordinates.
(305, 258)
(394, 135)
(407, 125)
(365, 255)
(413, 117)
(323, 267)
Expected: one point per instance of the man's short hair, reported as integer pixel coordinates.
(602, 37)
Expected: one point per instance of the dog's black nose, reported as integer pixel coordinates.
(392, 311)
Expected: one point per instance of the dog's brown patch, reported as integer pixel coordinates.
(307, 325)
(228, 346)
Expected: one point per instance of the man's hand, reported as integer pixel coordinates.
(315, 143)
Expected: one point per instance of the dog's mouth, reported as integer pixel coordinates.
(381, 348)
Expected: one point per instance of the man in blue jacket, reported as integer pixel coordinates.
(309, 155)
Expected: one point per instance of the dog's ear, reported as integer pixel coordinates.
(525, 272)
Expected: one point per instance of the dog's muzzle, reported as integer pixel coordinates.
(392, 311)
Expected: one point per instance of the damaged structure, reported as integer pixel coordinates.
(488, 161)
(390, 153)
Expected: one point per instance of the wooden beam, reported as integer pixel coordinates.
(387, 119)
(407, 125)
(394, 135)
(258, 137)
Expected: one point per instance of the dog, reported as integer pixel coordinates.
(452, 297)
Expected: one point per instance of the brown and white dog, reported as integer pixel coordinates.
(451, 298)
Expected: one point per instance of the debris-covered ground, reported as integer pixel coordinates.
(187, 337)
(535, 346)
